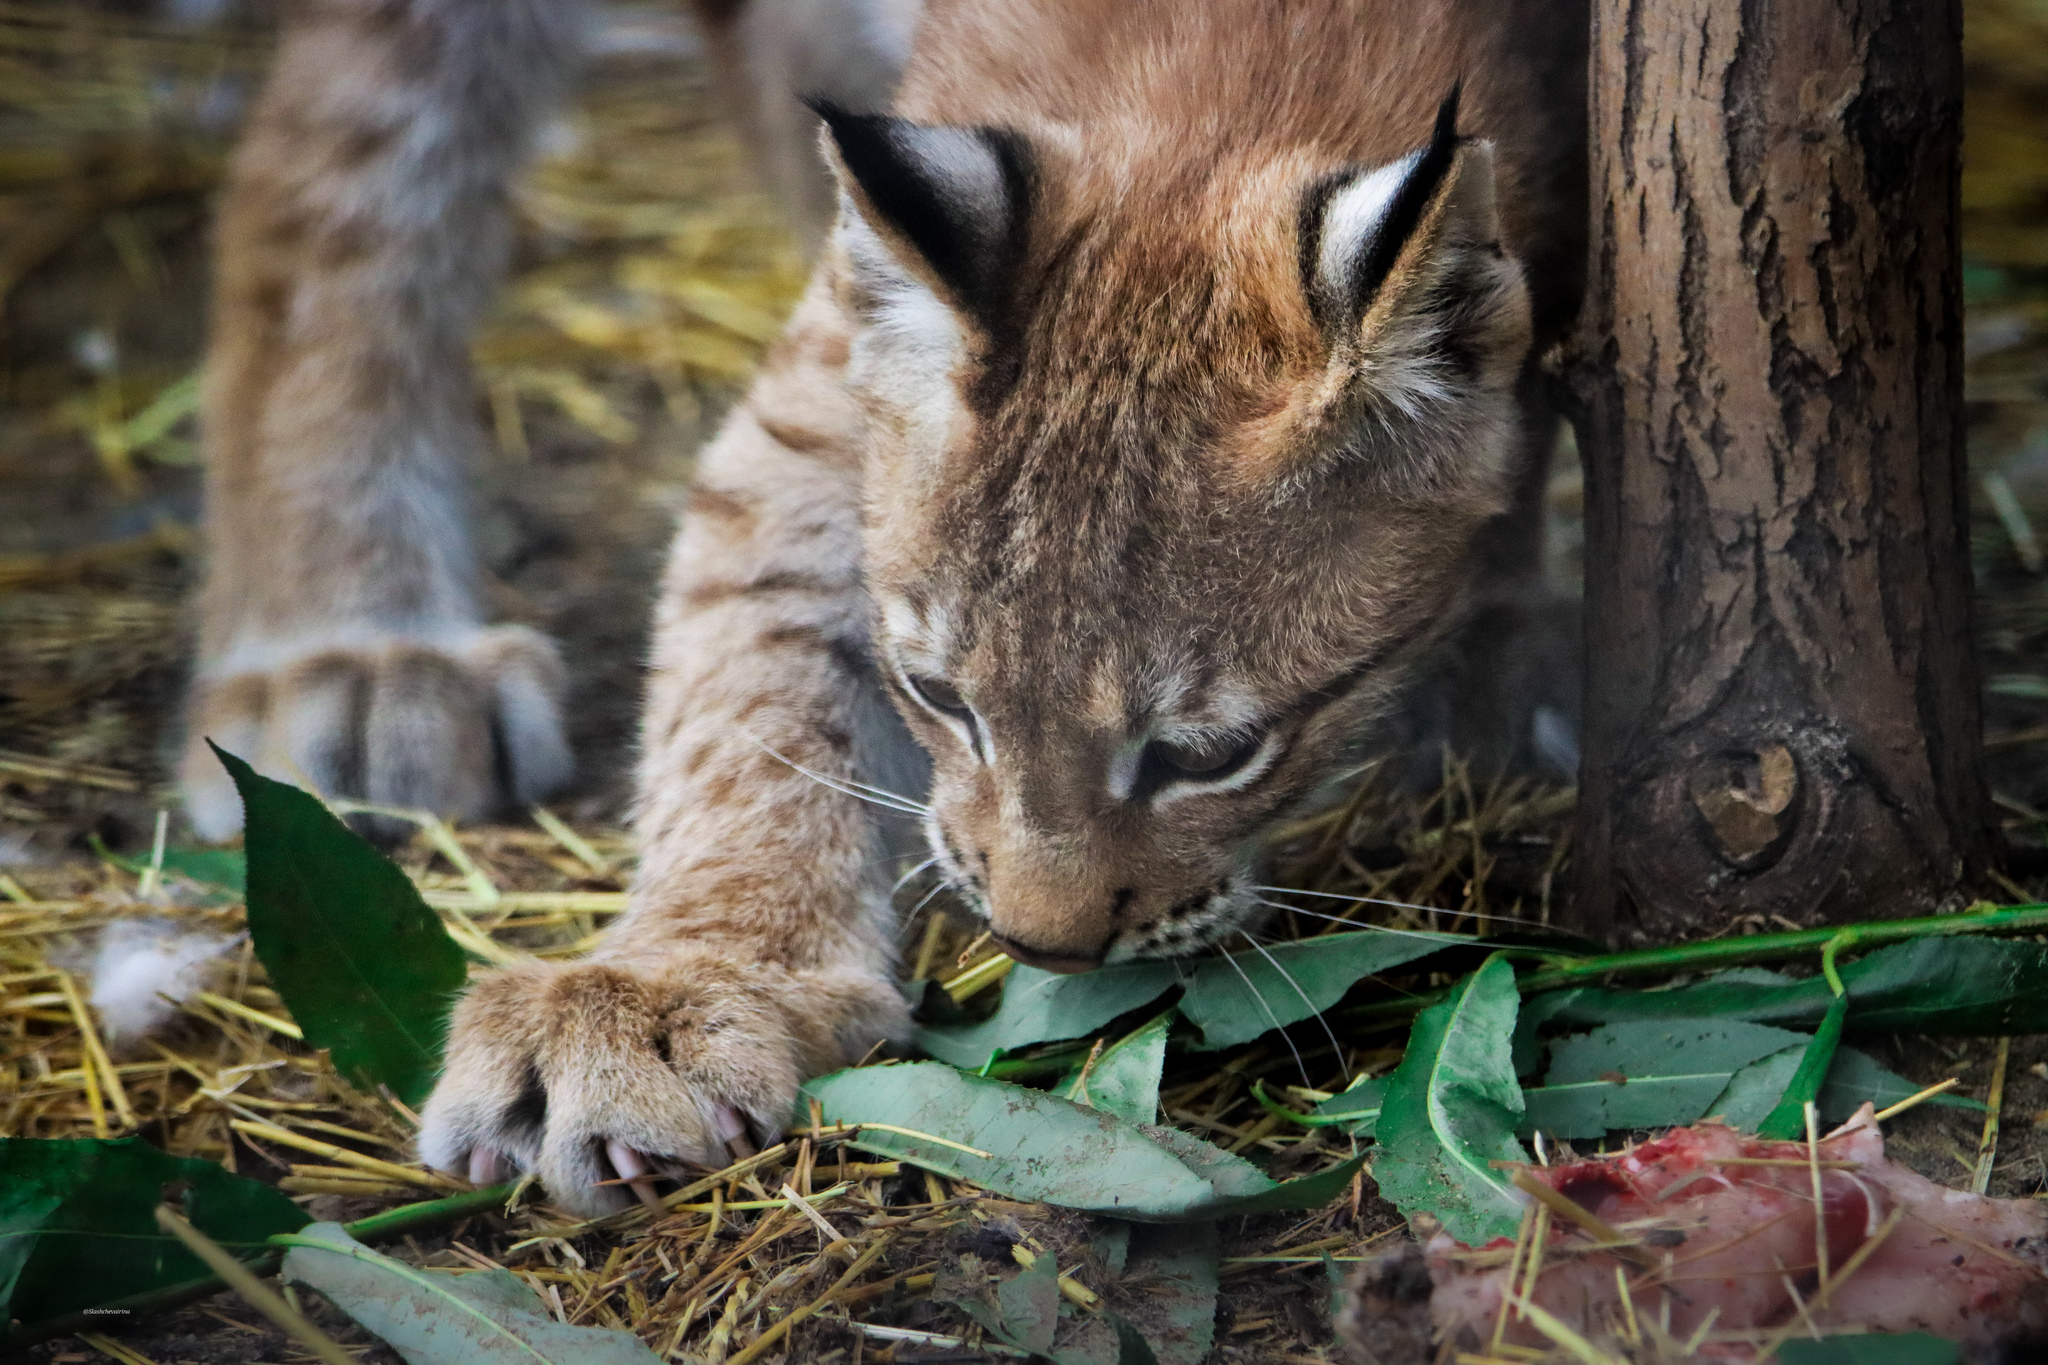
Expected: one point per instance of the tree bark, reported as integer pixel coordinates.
(1781, 708)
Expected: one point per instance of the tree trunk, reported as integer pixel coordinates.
(1781, 706)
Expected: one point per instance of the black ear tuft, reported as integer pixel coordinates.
(1355, 222)
(959, 196)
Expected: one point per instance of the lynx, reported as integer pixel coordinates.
(1160, 401)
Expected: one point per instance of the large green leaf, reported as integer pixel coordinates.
(433, 1318)
(1452, 1107)
(1645, 1075)
(1124, 1079)
(1658, 1074)
(1041, 1007)
(1046, 1149)
(1039, 1147)
(365, 968)
(1960, 986)
(1854, 1078)
(78, 1221)
(1235, 999)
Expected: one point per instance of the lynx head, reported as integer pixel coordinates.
(1174, 469)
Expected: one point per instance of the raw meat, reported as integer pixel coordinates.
(1715, 1236)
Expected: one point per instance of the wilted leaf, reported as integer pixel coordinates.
(360, 961)
(1234, 1000)
(1042, 1007)
(1124, 1079)
(487, 1317)
(1452, 1106)
(78, 1221)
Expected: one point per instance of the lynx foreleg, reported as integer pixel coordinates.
(363, 228)
(758, 949)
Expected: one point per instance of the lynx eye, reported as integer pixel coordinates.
(1211, 757)
(940, 695)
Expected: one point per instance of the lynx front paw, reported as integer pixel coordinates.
(596, 1072)
(457, 724)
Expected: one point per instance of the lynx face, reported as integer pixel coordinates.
(1173, 471)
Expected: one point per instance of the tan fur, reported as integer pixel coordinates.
(1149, 500)
(341, 640)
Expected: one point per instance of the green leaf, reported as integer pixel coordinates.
(1357, 1110)
(1788, 1118)
(1131, 1346)
(1754, 1091)
(1178, 1269)
(1235, 999)
(1029, 1305)
(1908, 1348)
(1855, 1077)
(1671, 1074)
(361, 962)
(1043, 1148)
(1041, 1007)
(78, 1220)
(1242, 1188)
(1960, 986)
(1124, 1080)
(1040, 1147)
(1452, 1107)
(221, 871)
(1681, 1071)
(484, 1317)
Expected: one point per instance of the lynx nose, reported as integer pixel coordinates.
(1062, 960)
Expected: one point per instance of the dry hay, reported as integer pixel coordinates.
(728, 1257)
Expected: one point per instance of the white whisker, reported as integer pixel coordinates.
(846, 786)
(907, 877)
(1430, 934)
(912, 912)
(1288, 977)
(1299, 1064)
(1394, 905)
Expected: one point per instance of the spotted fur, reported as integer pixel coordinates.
(1138, 434)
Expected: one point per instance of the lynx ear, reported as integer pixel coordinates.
(1366, 234)
(957, 197)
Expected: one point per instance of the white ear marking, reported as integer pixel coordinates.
(1352, 221)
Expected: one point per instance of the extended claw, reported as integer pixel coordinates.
(634, 1169)
(732, 1131)
(486, 1166)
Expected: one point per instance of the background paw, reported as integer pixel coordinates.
(458, 724)
(596, 1073)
